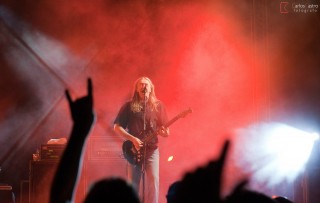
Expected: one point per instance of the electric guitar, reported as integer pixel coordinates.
(135, 157)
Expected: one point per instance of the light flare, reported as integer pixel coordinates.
(170, 158)
(274, 152)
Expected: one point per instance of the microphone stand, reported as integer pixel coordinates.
(144, 148)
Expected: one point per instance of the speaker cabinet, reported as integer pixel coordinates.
(104, 159)
(41, 176)
(24, 191)
(312, 185)
(6, 194)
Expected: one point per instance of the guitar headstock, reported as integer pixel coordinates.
(185, 113)
(180, 115)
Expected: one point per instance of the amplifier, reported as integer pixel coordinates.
(51, 151)
(40, 178)
(6, 194)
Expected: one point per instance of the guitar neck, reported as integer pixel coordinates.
(174, 119)
(154, 134)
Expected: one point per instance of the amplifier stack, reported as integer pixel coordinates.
(51, 151)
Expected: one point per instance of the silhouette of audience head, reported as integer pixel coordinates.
(171, 195)
(248, 196)
(112, 190)
(280, 199)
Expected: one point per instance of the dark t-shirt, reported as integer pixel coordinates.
(133, 121)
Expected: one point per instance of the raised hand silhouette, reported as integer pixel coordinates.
(82, 108)
(111, 190)
(204, 184)
(68, 169)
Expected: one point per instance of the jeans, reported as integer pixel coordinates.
(151, 193)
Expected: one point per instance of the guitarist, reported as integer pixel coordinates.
(136, 119)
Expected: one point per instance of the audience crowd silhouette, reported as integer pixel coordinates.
(203, 185)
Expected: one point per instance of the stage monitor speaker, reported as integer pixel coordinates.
(41, 176)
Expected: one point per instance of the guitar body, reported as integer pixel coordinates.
(132, 155)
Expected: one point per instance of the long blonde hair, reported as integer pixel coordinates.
(136, 105)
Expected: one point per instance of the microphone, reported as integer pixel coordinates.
(144, 90)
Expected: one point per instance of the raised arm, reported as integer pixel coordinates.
(203, 184)
(66, 176)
